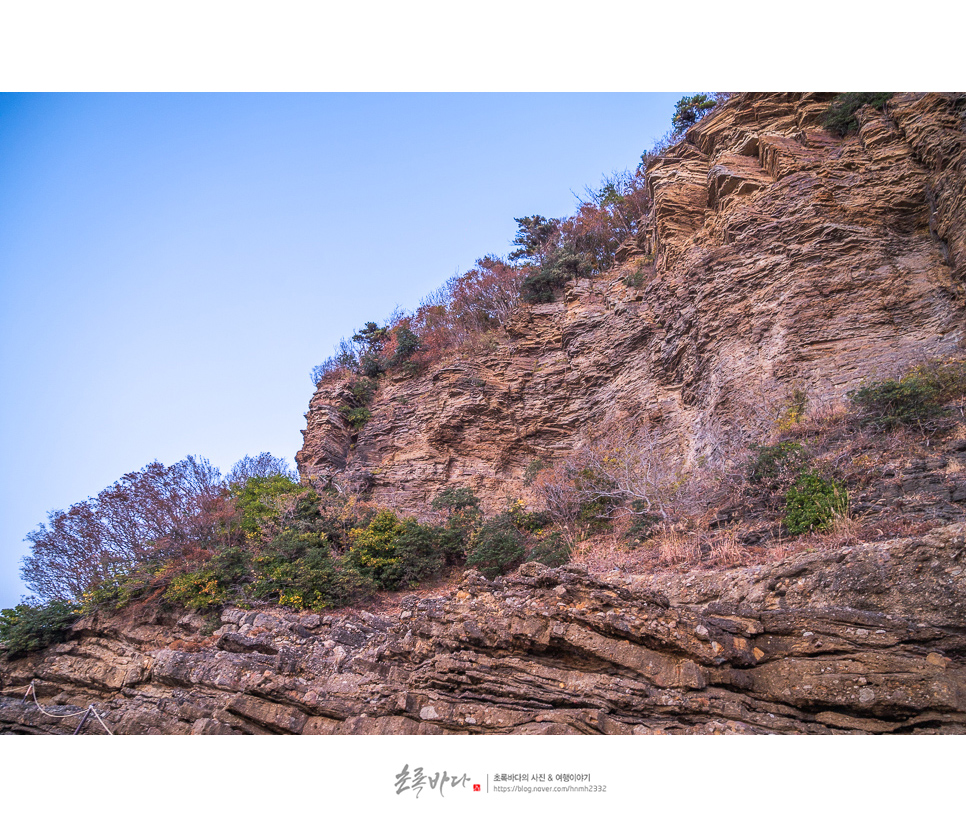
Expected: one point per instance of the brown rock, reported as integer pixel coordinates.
(785, 258)
(705, 652)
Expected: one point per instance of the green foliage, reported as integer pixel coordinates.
(813, 503)
(370, 366)
(690, 110)
(198, 590)
(407, 344)
(634, 279)
(259, 501)
(120, 590)
(918, 398)
(362, 389)
(496, 547)
(30, 627)
(394, 553)
(298, 570)
(552, 550)
(214, 584)
(526, 521)
(371, 338)
(535, 235)
(775, 460)
(840, 116)
(456, 499)
(355, 417)
(561, 266)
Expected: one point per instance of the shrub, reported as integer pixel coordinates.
(775, 461)
(456, 499)
(497, 546)
(394, 553)
(298, 570)
(407, 343)
(527, 521)
(355, 417)
(259, 501)
(813, 503)
(918, 398)
(840, 116)
(214, 584)
(30, 627)
(552, 550)
(560, 267)
(198, 590)
(419, 550)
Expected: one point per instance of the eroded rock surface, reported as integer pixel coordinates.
(783, 258)
(867, 639)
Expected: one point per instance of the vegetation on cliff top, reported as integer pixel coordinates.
(549, 253)
(840, 117)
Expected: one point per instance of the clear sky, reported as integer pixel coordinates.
(173, 266)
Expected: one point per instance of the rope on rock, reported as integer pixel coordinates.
(86, 712)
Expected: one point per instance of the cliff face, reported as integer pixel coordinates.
(858, 640)
(783, 258)
(776, 257)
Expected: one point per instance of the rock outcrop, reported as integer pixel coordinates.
(776, 257)
(783, 258)
(866, 639)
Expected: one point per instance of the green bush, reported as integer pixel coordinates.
(775, 461)
(407, 344)
(840, 116)
(456, 499)
(216, 583)
(918, 398)
(813, 503)
(553, 551)
(559, 268)
(298, 570)
(121, 590)
(258, 501)
(30, 627)
(355, 417)
(496, 547)
(690, 110)
(395, 553)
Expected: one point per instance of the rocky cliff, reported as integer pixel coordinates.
(866, 639)
(776, 256)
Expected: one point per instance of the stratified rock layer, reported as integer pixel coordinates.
(783, 257)
(866, 639)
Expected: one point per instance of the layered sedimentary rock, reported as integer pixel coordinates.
(776, 257)
(866, 639)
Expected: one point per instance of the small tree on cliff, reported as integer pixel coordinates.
(690, 110)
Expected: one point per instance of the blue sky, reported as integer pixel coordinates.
(172, 266)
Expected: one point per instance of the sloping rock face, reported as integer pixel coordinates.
(867, 639)
(776, 257)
